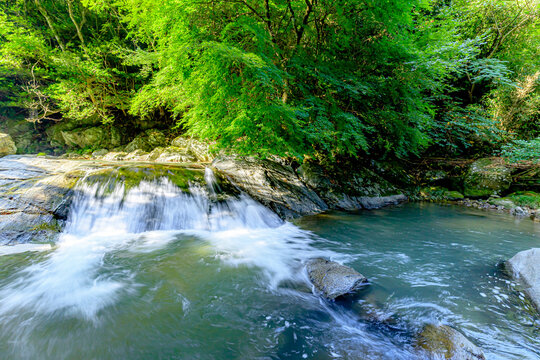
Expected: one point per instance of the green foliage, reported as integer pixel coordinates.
(331, 80)
(466, 130)
(522, 150)
(530, 199)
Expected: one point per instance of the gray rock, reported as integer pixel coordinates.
(7, 146)
(349, 190)
(381, 201)
(444, 342)
(525, 267)
(174, 154)
(198, 149)
(333, 279)
(519, 211)
(35, 194)
(98, 136)
(100, 153)
(273, 184)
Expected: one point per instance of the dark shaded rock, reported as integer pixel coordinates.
(444, 342)
(349, 189)
(381, 201)
(273, 184)
(333, 279)
(525, 268)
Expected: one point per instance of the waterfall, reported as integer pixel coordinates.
(108, 217)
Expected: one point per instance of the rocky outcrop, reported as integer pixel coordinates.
(349, 189)
(35, 195)
(277, 185)
(332, 279)
(91, 137)
(273, 184)
(487, 177)
(147, 141)
(7, 146)
(193, 147)
(525, 268)
(444, 342)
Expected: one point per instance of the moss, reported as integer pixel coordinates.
(504, 202)
(454, 195)
(438, 340)
(530, 199)
(438, 193)
(131, 176)
(53, 226)
(486, 177)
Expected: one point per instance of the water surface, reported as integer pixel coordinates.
(153, 272)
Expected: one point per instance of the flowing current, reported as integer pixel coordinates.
(153, 271)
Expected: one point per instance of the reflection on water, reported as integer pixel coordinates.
(156, 272)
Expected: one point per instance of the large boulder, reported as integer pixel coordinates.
(92, 137)
(273, 184)
(487, 177)
(333, 279)
(525, 267)
(196, 148)
(444, 342)
(147, 141)
(35, 196)
(7, 146)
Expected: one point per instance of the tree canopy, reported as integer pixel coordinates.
(325, 79)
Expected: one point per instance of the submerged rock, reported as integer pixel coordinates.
(525, 267)
(333, 279)
(7, 146)
(444, 342)
(486, 177)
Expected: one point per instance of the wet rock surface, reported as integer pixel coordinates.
(333, 279)
(272, 184)
(307, 191)
(35, 196)
(525, 268)
(444, 342)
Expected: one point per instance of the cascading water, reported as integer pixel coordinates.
(153, 269)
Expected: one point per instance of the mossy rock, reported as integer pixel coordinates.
(505, 202)
(92, 137)
(487, 177)
(147, 141)
(444, 342)
(7, 146)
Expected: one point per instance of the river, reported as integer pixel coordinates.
(156, 272)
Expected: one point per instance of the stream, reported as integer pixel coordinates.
(153, 271)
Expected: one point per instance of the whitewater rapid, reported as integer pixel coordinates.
(106, 217)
